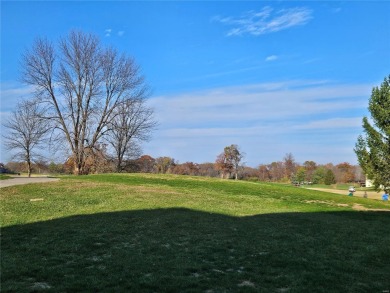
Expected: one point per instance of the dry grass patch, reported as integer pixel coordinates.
(359, 207)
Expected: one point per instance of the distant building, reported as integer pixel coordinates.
(369, 183)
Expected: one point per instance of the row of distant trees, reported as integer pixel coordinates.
(285, 170)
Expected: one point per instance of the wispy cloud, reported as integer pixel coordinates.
(261, 103)
(11, 93)
(271, 58)
(336, 10)
(268, 20)
(305, 117)
(108, 32)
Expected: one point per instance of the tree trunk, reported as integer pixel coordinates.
(29, 168)
(78, 168)
(118, 167)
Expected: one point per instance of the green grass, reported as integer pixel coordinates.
(165, 233)
(4, 177)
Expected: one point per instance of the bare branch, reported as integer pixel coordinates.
(82, 86)
(26, 132)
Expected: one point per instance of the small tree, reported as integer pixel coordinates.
(329, 177)
(276, 171)
(310, 167)
(228, 162)
(146, 164)
(263, 173)
(164, 164)
(319, 175)
(289, 165)
(301, 175)
(26, 132)
(373, 149)
(347, 172)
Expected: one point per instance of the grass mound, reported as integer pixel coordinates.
(155, 233)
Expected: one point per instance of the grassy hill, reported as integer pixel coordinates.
(165, 233)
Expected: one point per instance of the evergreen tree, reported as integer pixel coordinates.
(301, 175)
(373, 149)
(329, 177)
(319, 175)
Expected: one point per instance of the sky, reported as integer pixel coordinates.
(273, 77)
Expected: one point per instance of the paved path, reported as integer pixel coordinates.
(25, 180)
(370, 194)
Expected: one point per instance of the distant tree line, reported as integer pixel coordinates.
(286, 170)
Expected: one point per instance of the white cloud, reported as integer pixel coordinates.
(275, 128)
(12, 93)
(108, 32)
(332, 123)
(266, 119)
(268, 20)
(258, 103)
(271, 58)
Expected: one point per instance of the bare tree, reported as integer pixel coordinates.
(26, 132)
(81, 85)
(132, 124)
(276, 170)
(289, 165)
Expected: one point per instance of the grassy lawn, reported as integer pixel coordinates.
(4, 177)
(165, 233)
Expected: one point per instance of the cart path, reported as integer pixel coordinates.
(370, 194)
(25, 180)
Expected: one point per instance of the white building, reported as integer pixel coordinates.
(369, 183)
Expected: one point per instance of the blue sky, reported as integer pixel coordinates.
(273, 77)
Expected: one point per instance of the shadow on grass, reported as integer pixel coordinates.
(180, 250)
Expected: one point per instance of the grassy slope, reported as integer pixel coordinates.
(145, 233)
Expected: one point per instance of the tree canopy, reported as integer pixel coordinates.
(373, 148)
(228, 162)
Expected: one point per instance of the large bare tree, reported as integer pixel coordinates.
(81, 83)
(26, 131)
(132, 124)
